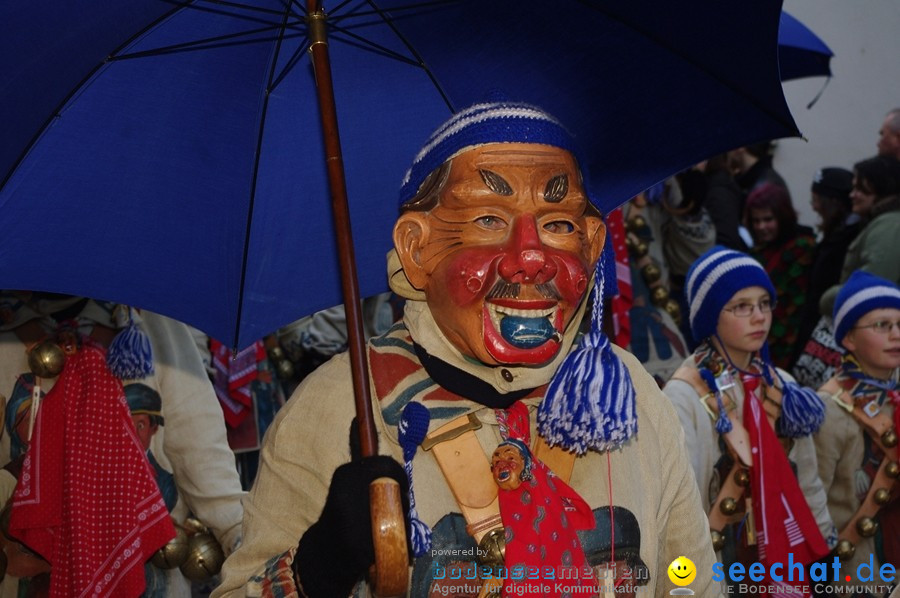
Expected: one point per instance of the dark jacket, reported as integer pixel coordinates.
(724, 201)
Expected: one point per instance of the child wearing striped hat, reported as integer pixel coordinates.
(747, 425)
(857, 445)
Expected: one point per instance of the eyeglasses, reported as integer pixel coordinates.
(745, 310)
(882, 327)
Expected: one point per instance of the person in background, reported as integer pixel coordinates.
(724, 201)
(875, 198)
(747, 425)
(838, 226)
(191, 446)
(751, 166)
(785, 249)
(889, 135)
(856, 447)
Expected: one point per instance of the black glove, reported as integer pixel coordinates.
(335, 553)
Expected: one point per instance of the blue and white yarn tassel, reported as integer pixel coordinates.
(590, 403)
(130, 355)
(723, 424)
(411, 432)
(802, 410)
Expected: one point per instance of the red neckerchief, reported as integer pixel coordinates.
(784, 522)
(540, 518)
(87, 500)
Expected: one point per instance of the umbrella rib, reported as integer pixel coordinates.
(377, 12)
(290, 64)
(218, 41)
(250, 206)
(417, 56)
(378, 47)
(247, 7)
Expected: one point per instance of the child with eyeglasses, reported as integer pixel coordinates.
(747, 424)
(857, 444)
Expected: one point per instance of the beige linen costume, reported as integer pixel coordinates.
(650, 475)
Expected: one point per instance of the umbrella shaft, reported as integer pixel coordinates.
(335, 165)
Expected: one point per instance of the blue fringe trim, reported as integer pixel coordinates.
(130, 355)
(723, 424)
(411, 432)
(802, 410)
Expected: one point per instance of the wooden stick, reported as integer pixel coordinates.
(389, 534)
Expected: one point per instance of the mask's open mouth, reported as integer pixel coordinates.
(524, 324)
(504, 475)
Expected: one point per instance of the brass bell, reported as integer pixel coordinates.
(276, 353)
(194, 526)
(844, 549)
(728, 506)
(640, 249)
(492, 548)
(892, 469)
(174, 553)
(718, 540)
(635, 223)
(742, 478)
(659, 295)
(46, 359)
(673, 309)
(205, 557)
(889, 438)
(284, 369)
(881, 496)
(651, 273)
(866, 527)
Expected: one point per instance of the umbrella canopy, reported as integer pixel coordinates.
(800, 51)
(168, 155)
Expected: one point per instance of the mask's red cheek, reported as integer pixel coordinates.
(572, 277)
(470, 274)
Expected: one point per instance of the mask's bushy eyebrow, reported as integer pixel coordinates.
(495, 182)
(556, 188)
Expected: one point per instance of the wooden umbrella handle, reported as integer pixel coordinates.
(391, 575)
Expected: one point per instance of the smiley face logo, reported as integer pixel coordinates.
(682, 571)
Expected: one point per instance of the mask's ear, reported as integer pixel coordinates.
(410, 237)
(596, 235)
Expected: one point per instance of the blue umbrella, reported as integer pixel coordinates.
(800, 51)
(168, 154)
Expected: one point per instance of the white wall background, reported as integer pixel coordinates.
(842, 127)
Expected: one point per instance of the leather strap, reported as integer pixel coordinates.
(468, 470)
(738, 440)
(729, 489)
(873, 425)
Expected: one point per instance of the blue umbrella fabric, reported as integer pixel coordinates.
(801, 53)
(168, 155)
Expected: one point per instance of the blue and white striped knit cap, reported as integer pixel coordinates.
(862, 293)
(480, 124)
(713, 280)
(590, 403)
